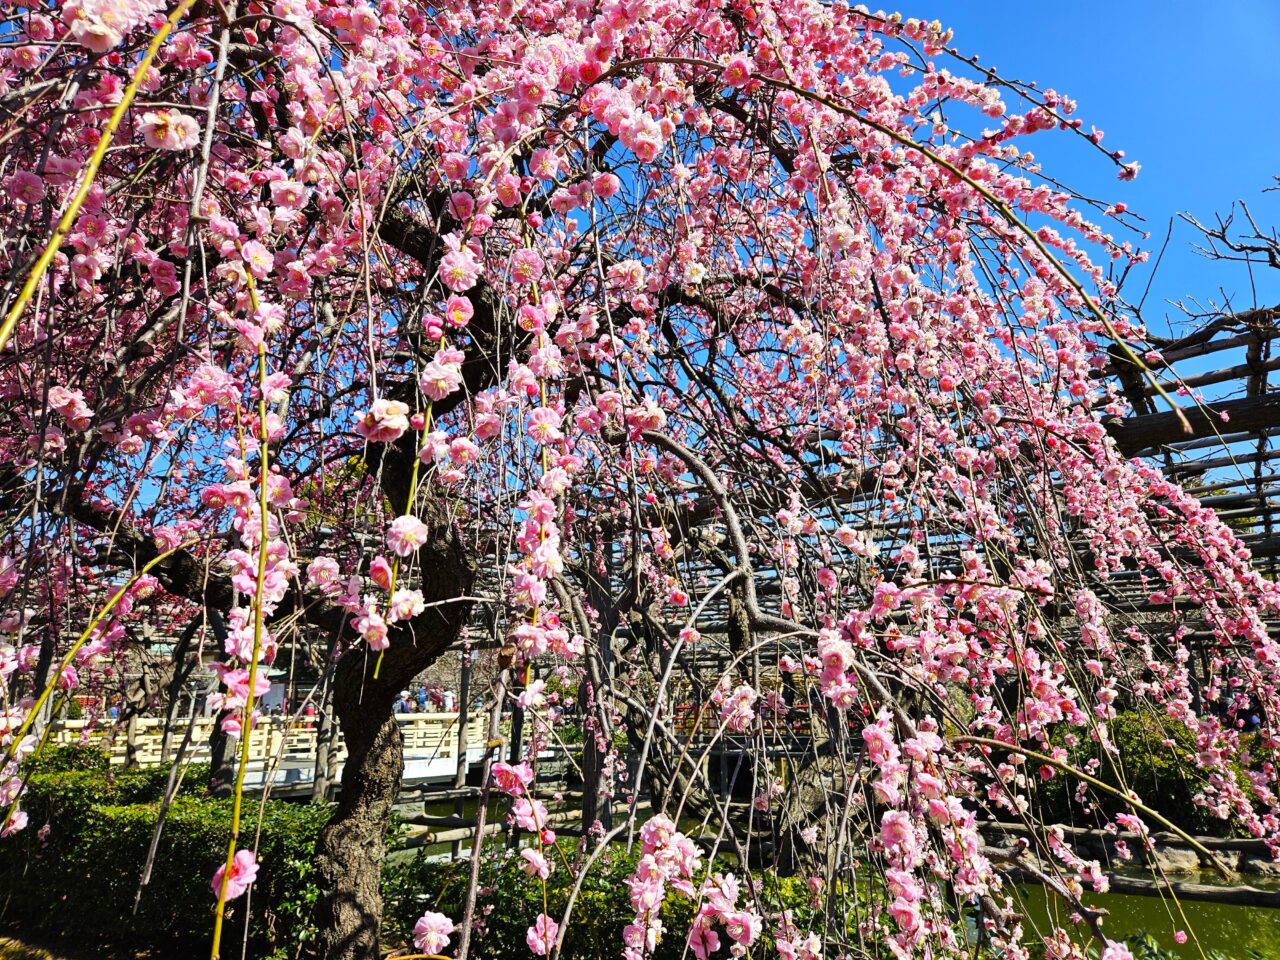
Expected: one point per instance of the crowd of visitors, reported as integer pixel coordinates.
(426, 699)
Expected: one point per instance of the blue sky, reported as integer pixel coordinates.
(1186, 89)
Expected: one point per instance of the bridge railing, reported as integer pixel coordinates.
(426, 735)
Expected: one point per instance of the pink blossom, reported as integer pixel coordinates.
(406, 535)
(533, 696)
(529, 814)
(459, 270)
(462, 450)
(237, 682)
(906, 914)
(380, 572)
(259, 261)
(432, 931)
(405, 605)
(738, 711)
(385, 421)
(512, 779)
(372, 627)
(458, 311)
(100, 25)
(437, 380)
(703, 940)
(737, 71)
(96, 34)
(243, 872)
(535, 864)
(543, 425)
(742, 927)
(605, 185)
(528, 591)
(541, 937)
(16, 823)
(526, 266)
(169, 130)
(25, 186)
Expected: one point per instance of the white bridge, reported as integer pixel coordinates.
(281, 749)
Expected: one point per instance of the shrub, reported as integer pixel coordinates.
(78, 880)
(509, 901)
(1165, 777)
(72, 756)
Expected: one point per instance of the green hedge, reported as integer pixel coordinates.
(1165, 777)
(78, 881)
(509, 902)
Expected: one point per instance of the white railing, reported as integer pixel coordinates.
(426, 736)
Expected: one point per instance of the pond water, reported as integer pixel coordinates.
(1231, 930)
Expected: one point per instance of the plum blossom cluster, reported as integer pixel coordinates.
(916, 906)
(530, 814)
(432, 931)
(262, 572)
(669, 861)
(241, 876)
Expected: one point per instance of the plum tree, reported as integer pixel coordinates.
(737, 353)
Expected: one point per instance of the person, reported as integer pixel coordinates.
(448, 701)
(402, 705)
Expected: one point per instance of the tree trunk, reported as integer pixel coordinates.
(352, 847)
(326, 744)
(222, 760)
(222, 748)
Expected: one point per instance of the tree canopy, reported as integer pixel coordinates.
(740, 345)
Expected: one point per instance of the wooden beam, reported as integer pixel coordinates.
(1152, 431)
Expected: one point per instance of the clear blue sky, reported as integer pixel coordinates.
(1189, 90)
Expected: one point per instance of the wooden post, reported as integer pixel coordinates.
(517, 741)
(326, 742)
(322, 779)
(174, 693)
(591, 703)
(464, 713)
(131, 741)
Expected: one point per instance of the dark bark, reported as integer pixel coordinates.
(138, 700)
(222, 747)
(464, 716)
(181, 671)
(222, 766)
(351, 848)
(592, 761)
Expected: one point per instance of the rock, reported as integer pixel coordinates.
(1091, 847)
(1177, 860)
(1228, 858)
(1261, 866)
